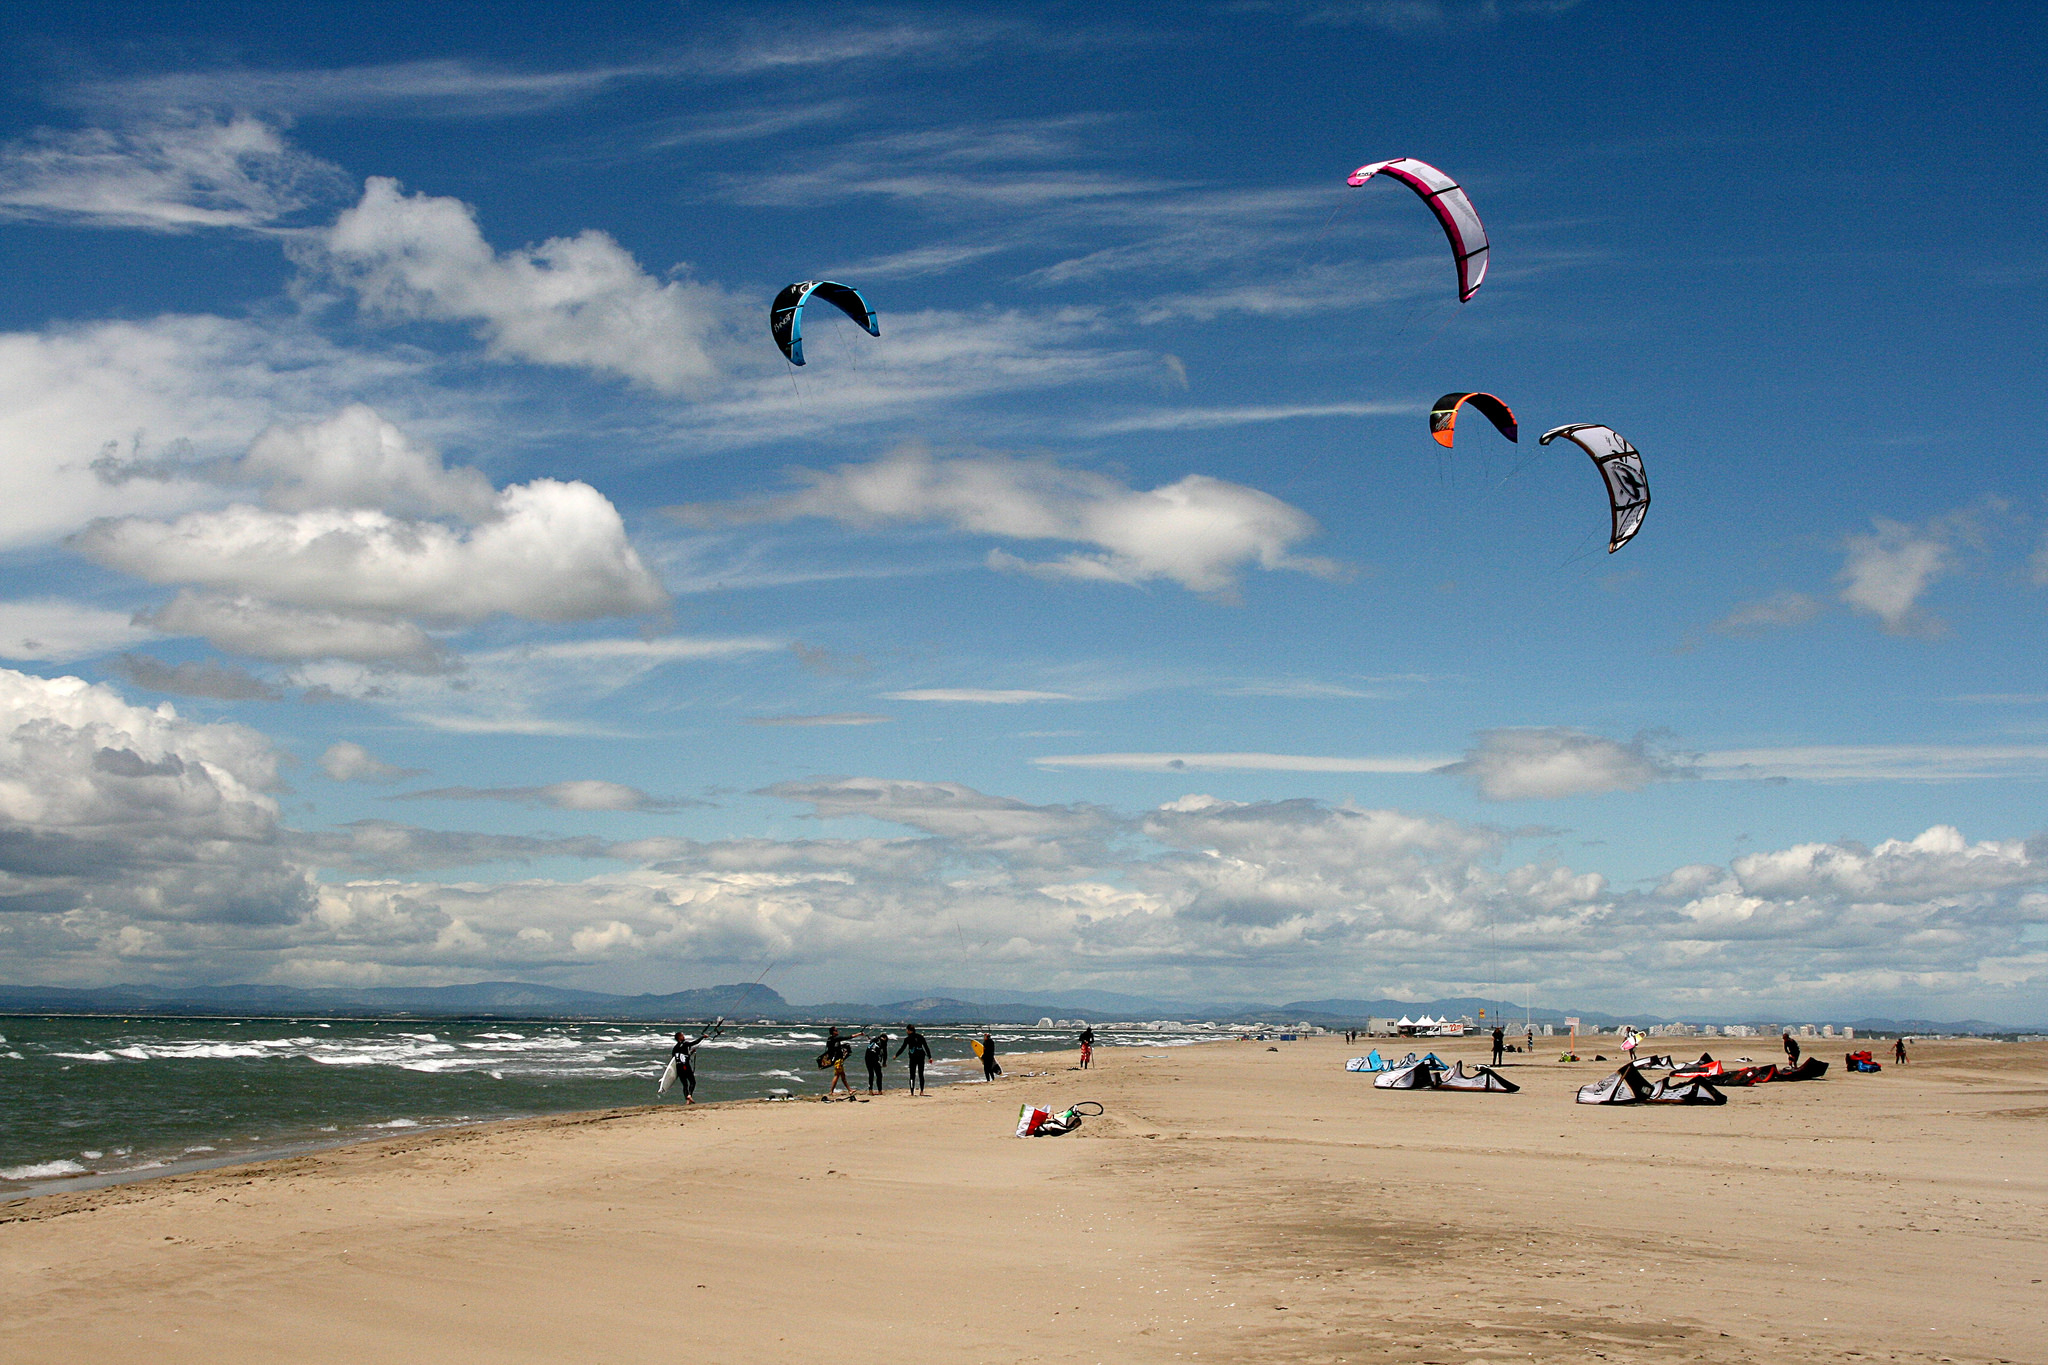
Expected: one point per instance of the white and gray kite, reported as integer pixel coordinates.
(1621, 465)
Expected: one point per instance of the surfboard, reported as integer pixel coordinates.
(977, 1049)
(668, 1077)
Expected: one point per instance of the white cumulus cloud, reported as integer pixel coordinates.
(1546, 763)
(341, 576)
(1198, 531)
(581, 302)
(135, 812)
(1887, 571)
(58, 631)
(347, 761)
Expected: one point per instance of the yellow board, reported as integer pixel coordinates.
(977, 1049)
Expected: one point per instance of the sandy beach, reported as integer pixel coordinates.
(1237, 1201)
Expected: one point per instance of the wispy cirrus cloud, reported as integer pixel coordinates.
(828, 718)
(583, 794)
(984, 696)
(1209, 419)
(1242, 762)
(1779, 611)
(433, 88)
(165, 175)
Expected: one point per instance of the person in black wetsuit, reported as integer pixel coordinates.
(919, 1051)
(1500, 1043)
(684, 1053)
(989, 1069)
(877, 1058)
(1087, 1048)
(1791, 1048)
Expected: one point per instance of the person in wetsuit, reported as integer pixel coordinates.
(989, 1069)
(920, 1051)
(1087, 1048)
(684, 1054)
(1899, 1050)
(1500, 1042)
(877, 1058)
(1791, 1048)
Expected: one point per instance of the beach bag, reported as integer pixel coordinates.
(1037, 1120)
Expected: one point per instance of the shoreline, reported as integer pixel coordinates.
(91, 1182)
(1243, 1202)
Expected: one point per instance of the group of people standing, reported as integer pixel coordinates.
(915, 1047)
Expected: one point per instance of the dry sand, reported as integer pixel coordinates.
(1236, 1203)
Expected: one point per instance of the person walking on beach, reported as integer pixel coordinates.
(837, 1050)
(1500, 1042)
(1529, 1039)
(877, 1057)
(683, 1054)
(989, 1069)
(919, 1051)
(1899, 1050)
(1628, 1045)
(1791, 1049)
(1087, 1047)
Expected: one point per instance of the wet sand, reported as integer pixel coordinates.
(1235, 1203)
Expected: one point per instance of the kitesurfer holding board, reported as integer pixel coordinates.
(837, 1050)
(682, 1066)
(986, 1050)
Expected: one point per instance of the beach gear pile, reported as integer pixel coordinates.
(1431, 1072)
(1700, 1082)
(1038, 1120)
(1860, 1061)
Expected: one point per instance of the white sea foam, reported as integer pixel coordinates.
(202, 1149)
(395, 1123)
(43, 1170)
(92, 1156)
(501, 1035)
(86, 1056)
(527, 1045)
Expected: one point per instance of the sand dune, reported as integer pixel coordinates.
(1235, 1203)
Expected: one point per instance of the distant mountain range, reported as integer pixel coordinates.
(517, 999)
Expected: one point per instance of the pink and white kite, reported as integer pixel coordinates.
(1447, 200)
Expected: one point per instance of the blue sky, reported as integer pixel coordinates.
(390, 398)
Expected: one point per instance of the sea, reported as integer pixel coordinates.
(90, 1101)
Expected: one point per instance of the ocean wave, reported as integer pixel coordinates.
(528, 1045)
(42, 1170)
(395, 1123)
(86, 1056)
